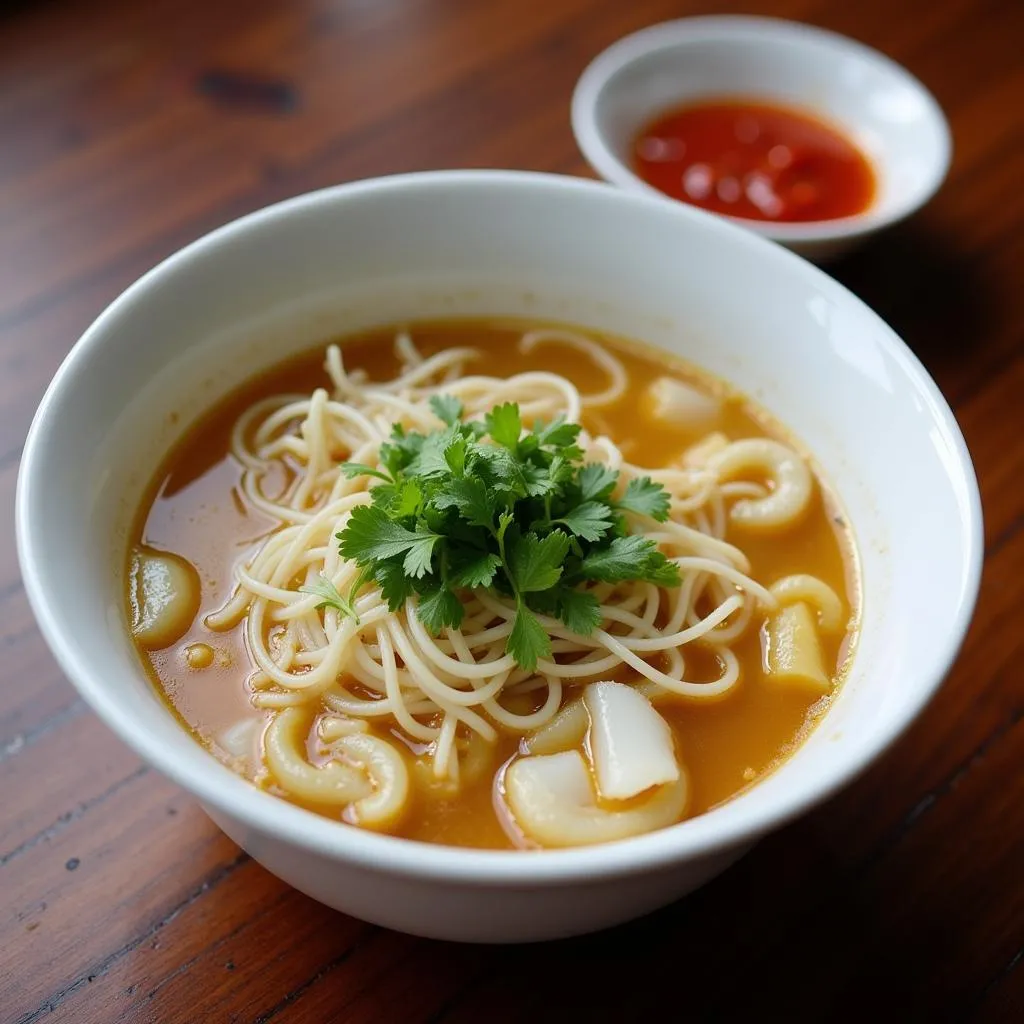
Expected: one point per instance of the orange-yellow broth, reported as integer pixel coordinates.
(196, 510)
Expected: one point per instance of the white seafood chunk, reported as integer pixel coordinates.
(563, 732)
(334, 727)
(551, 799)
(386, 770)
(372, 783)
(697, 455)
(239, 740)
(791, 482)
(164, 596)
(682, 405)
(815, 592)
(794, 651)
(630, 743)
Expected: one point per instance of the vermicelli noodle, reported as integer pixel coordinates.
(358, 697)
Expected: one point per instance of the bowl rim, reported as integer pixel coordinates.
(238, 799)
(668, 34)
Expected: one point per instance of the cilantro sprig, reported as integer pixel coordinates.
(323, 588)
(487, 504)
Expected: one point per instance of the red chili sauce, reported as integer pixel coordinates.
(756, 161)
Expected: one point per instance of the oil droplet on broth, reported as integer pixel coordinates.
(199, 656)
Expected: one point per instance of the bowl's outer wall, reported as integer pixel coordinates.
(460, 913)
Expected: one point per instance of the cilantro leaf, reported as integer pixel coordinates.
(400, 449)
(470, 497)
(559, 470)
(537, 480)
(430, 460)
(447, 408)
(372, 535)
(384, 495)
(619, 561)
(630, 558)
(455, 455)
(528, 641)
(661, 571)
(498, 468)
(395, 586)
(535, 564)
(475, 572)
(505, 520)
(596, 481)
(354, 469)
(406, 500)
(439, 607)
(324, 588)
(591, 520)
(481, 503)
(542, 481)
(578, 609)
(646, 498)
(418, 559)
(557, 433)
(504, 425)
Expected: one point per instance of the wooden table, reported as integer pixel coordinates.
(131, 128)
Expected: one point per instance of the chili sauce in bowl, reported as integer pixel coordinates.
(801, 135)
(755, 160)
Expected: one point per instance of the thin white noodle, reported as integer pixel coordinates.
(407, 351)
(434, 690)
(618, 381)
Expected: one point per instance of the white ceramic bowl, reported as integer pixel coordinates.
(885, 110)
(470, 243)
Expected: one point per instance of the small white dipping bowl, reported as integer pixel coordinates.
(887, 112)
(470, 243)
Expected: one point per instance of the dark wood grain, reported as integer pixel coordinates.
(130, 129)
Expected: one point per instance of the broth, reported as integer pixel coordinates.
(198, 511)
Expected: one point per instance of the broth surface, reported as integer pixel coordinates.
(197, 511)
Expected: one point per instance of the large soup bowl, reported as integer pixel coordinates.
(455, 244)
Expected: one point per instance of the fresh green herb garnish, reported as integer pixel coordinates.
(326, 590)
(446, 408)
(483, 504)
(645, 498)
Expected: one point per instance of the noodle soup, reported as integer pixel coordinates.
(580, 592)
